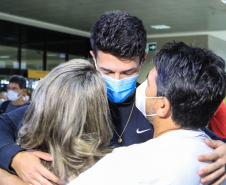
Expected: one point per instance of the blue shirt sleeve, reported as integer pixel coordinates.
(10, 123)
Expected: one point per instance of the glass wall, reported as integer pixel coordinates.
(25, 47)
(31, 59)
(8, 58)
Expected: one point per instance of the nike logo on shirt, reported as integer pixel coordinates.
(142, 131)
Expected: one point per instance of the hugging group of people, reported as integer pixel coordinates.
(84, 127)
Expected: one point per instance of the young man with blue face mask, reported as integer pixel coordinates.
(118, 41)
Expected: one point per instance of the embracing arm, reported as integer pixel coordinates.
(215, 171)
(13, 158)
(8, 178)
(8, 147)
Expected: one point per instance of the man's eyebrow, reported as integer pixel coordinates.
(129, 70)
(105, 69)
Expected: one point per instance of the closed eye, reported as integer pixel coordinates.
(129, 72)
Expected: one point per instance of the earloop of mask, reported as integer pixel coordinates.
(152, 115)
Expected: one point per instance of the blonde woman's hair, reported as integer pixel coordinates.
(69, 118)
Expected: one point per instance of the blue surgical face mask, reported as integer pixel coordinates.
(119, 90)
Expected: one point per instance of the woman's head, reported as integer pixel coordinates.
(69, 117)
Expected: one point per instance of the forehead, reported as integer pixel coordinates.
(152, 87)
(11, 84)
(111, 62)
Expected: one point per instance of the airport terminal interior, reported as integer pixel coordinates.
(38, 35)
(60, 126)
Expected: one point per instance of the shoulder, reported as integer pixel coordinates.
(15, 116)
(112, 169)
(147, 163)
(18, 112)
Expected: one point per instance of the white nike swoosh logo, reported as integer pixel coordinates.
(142, 131)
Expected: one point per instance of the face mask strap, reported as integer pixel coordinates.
(155, 97)
(152, 115)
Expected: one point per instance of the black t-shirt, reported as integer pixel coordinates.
(138, 129)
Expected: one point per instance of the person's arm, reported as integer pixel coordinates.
(8, 135)
(13, 158)
(215, 171)
(8, 178)
(29, 168)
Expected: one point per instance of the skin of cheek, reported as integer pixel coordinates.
(151, 110)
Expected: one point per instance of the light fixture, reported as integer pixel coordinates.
(160, 27)
(52, 54)
(223, 1)
(4, 57)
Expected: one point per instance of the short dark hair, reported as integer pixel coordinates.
(193, 80)
(120, 34)
(20, 80)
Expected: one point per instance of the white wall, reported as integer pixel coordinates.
(218, 46)
(199, 41)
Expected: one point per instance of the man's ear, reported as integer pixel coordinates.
(24, 91)
(91, 53)
(164, 110)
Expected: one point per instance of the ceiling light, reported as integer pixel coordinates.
(4, 57)
(160, 27)
(224, 1)
(52, 55)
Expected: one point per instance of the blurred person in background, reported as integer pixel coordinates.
(3, 97)
(16, 91)
(218, 122)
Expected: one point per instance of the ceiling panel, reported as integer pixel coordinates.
(182, 15)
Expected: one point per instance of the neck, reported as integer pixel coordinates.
(20, 101)
(165, 131)
(163, 128)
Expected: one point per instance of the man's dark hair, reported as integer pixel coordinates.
(17, 79)
(120, 34)
(193, 80)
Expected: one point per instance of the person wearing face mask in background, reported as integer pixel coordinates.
(15, 92)
(3, 97)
